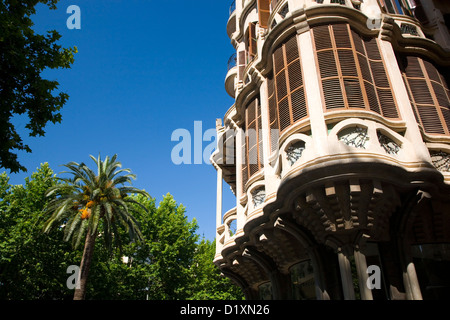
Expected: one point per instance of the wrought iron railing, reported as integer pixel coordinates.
(232, 61)
(232, 7)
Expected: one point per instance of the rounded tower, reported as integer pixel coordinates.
(338, 150)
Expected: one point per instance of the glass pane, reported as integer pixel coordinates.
(389, 6)
(432, 263)
(265, 291)
(302, 279)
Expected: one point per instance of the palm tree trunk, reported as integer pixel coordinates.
(86, 260)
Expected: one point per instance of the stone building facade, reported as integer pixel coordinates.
(337, 149)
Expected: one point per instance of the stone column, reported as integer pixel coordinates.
(219, 197)
(412, 283)
(346, 275)
(361, 267)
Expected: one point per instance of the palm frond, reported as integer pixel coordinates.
(101, 197)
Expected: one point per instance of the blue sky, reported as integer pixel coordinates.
(143, 69)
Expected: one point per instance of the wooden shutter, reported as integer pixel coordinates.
(352, 72)
(263, 13)
(387, 105)
(289, 91)
(429, 95)
(273, 114)
(252, 50)
(241, 64)
(244, 161)
(328, 67)
(253, 141)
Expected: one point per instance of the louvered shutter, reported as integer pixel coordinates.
(352, 72)
(244, 161)
(273, 114)
(289, 89)
(328, 68)
(263, 13)
(259, 135)
(241, 64)
(252, 50)
(381, 82)
(429, 95)
(253, 148)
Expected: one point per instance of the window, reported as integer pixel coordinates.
(302, 280)
(338, 1)
(258, 197)
(428, 93)
(389, 145)
(392, 6)
(252, 146)
(265, 291)
(273, 114)
(263, 12)
(352, 71)
(287, 101)
(232, 227)
(241, 64)
(432, 262)
(441, 160)
(250, 42)
(354, 137)
(295, 151)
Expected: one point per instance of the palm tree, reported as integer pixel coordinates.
(88, 204)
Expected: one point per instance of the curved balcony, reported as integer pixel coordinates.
(231, 23)
(227, 230)
(231, 75)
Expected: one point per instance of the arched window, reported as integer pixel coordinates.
(352, 71)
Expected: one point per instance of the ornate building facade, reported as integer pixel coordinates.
(337, 149)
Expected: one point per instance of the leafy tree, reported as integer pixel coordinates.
(32, 265)
(159, 267)
(23, 56)
(207, 282)
(87, 199)
(171, 263)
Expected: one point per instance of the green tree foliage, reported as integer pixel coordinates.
(90, 204)
(171, 262)
(23, 56)
(208, 284)
(32, 265)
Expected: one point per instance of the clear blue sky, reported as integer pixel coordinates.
(143, 69)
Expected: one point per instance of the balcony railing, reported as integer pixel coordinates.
(232, 61)
(232, 7)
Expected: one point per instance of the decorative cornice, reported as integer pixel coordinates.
(391, 32)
